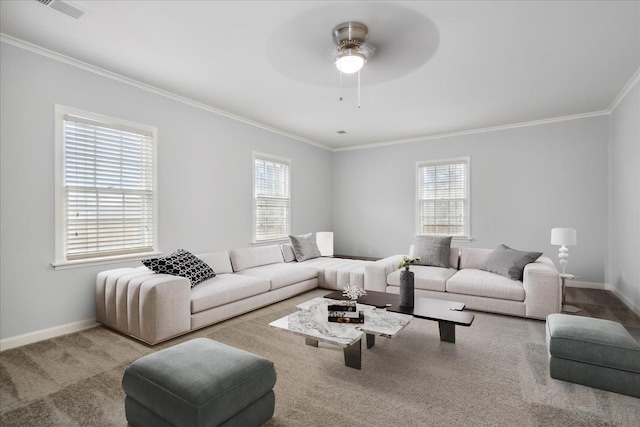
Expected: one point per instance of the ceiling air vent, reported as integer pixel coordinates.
(63, 7)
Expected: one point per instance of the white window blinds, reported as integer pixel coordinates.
(272, 201)
(108, 189)
(443, 198)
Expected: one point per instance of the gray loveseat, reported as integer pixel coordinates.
(155, 307)
(537, 295)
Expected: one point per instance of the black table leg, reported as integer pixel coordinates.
(353, 355)
(447, 331)
(371, 340)
(311, 342)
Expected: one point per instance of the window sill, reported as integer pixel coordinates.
(270, 242)
(462, 239)
(64, 265)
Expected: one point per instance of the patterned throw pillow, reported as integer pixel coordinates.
(509, 262)
(304, 247)
(433, 250)
(181, 263)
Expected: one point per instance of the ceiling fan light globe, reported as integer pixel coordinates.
(350, 64)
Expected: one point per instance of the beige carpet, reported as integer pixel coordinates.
(495, 375)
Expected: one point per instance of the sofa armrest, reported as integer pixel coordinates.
(375, 273)
(145, 305)
(543, 289)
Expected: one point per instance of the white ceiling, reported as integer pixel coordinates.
(440, 66)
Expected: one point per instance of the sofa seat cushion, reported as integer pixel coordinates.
(425, 277)
(224, 289)
(484, 284)
(336, 273)
(281, 275)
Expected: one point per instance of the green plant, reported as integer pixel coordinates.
(408, 262)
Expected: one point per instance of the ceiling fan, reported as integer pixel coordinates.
(351, 51)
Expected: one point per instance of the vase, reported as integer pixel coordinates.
(406, 288)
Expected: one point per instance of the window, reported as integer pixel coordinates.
(105, 188)
(443, 198)
(272, 203)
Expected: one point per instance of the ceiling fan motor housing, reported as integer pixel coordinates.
(350, 35)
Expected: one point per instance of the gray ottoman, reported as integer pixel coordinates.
(593, 352)
(199, 383)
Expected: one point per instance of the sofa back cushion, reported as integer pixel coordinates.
(244, 258)
(287, 252)
(454, 257)
(473, 257)
(218, 261)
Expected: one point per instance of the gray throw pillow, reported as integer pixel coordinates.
(304, 247)
(433, 250)
(509, 262)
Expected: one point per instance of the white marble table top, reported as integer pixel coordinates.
(311, 321)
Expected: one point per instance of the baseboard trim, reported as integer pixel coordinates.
(623, 298)
(45, 334)
(585, 285)
(606, 287)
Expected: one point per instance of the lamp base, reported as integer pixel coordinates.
(563, 255)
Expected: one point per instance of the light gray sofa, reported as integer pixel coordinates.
(536, 296)
(156, 307)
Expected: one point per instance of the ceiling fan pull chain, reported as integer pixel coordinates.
(358, 88)
(340, 73)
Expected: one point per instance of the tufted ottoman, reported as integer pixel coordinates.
(199, 383)
(593, 352)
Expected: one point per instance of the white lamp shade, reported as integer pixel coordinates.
(350, 63)
(324, 239)
(563, 236)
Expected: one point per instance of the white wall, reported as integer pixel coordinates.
(205, 182)
(524, 182)
(624, 196)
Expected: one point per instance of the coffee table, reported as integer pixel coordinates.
(310, 321)
(448, 314)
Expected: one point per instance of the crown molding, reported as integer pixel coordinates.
(4, 38)
(161, 92)
(632, 82)
(476, 131)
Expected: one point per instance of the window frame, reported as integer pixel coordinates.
(61, 261)
(467, 182)
(275, 159)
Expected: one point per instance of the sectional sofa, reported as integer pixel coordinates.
(154, 307)
(536, 295)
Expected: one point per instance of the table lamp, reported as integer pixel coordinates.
(324, 239)
(563, 237)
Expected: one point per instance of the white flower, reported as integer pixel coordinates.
(353, 292)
